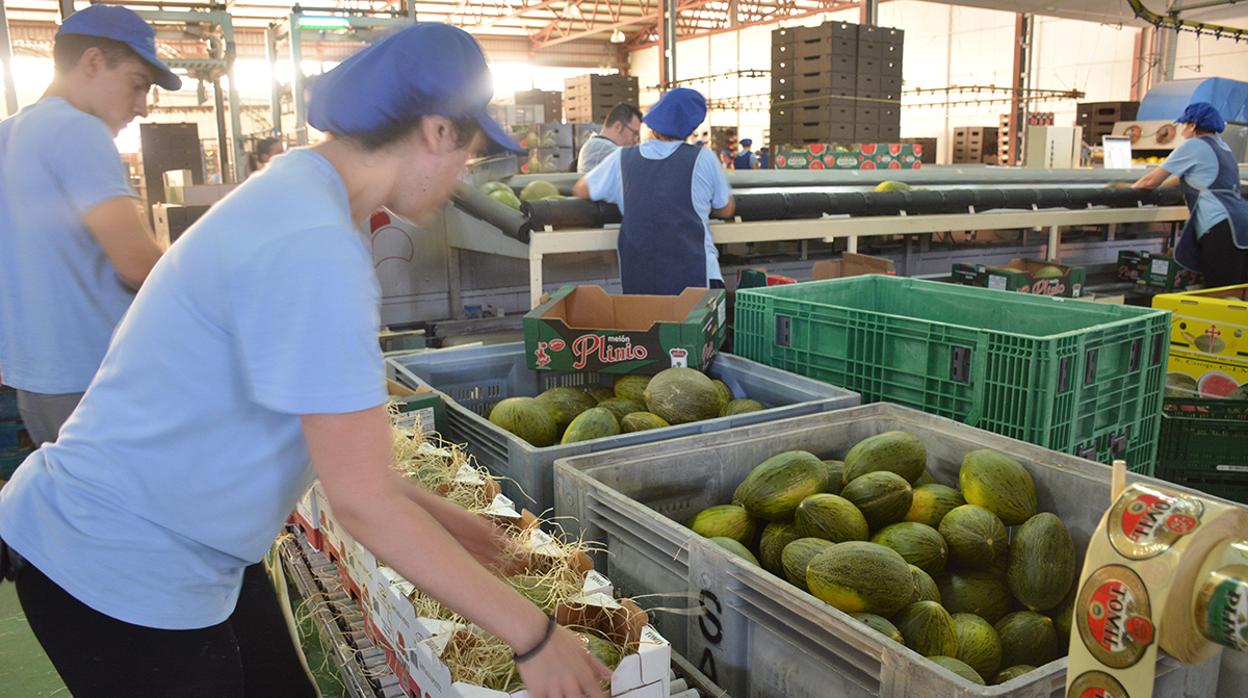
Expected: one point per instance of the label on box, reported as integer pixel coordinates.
(417, 420)
(997, 282)
(1160, 266)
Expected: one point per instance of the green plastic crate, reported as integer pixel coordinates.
(1077, 377)
(1204, 445)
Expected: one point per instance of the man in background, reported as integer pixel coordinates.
(621, 130)
(746, 159)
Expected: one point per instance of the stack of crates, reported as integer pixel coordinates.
(975, 144)
(15, 444)
(836, 83)
(1098, 118)
(587, 99)
(550, 101)
(1035, 118)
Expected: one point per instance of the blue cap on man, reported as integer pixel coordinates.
(424, 70)
(120, 24)
(747, 142)
(1204, 115)
(677, 113)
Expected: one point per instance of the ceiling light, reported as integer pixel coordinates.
(617, 37)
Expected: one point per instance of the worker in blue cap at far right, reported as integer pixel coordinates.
(1214, 240)
(746, 159)
(248, 365)
(666, 191)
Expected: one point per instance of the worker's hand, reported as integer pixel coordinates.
(564, 669)
(487, 542)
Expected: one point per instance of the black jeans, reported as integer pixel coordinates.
(249, 655)
(1221, 262)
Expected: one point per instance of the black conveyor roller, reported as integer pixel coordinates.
(513, 223)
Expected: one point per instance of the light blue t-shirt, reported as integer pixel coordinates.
(710, 188)
(1195, 162)
(187, 453)
(60, 296)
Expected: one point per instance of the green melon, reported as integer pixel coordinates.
(538, 189)
(1048, 272)
(724, 391)
(925, 479)
(725, 521)
(776, 536)
(491, 187)
(682, 395)
(505, 197)
(742, 406)
(1181, 385)
(601, 393)
(542, 591)
(595, 423)
(621, 408)
(796, 557)
(978, 644)
(892, 451)
(1027, 636)
(830, 517)
(928, 629)
(920, 545)
(735, 548)
(565, 404)
(891, 185)
(998, 483)
(632, 388)
(1063, 614)
(858, 577)
(835, 470)
(1041, 562)
(1012, 673)
(604, 651)
(931, 502)
(960, 668)
(925, 588)
(977, 539)
(980, 593)
(883, 496)
(642, 421)
(880, 625)
(526, 418)
(776, 486)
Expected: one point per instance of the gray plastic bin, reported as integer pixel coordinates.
(761, 636)
(476, 378)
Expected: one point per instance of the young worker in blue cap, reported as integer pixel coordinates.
(1214, 240)
(666, 190)
(746, 159)
(247, 365)
(73, 245)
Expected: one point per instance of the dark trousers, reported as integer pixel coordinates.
(249, 655)
(1221, 262)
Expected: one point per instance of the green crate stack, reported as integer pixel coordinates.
(1081, 378)
(1204, 445)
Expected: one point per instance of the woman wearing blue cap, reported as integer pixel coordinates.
(247, 364)
(666, 191)
(1214, 240)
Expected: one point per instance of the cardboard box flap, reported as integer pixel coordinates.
(851, 264)
(591, 307)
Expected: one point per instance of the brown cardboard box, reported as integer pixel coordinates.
(851, 264)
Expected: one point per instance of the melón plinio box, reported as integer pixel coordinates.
(1154, 270)
(1024, 275)
(584, 329)
(1208, 342)
(860, 156)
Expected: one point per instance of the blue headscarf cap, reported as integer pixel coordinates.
(677, 113)
(1204, 115)
(747, 142)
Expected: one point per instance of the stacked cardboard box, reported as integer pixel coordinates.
(550, 147)
(588, 98)
(926, 149)
(1098, 118)
(975, 144)
(550, 101)
(1035, 118)
(835, 83)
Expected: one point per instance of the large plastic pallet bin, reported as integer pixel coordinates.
(761, 636)
(1204, 444)
(1077, 377)
(475, 379)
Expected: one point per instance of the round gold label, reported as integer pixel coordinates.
(1146, 522)
(1096, 684)
(1114, 617)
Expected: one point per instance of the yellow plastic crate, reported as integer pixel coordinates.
(1208, 342)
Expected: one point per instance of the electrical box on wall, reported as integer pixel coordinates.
(1054, 147)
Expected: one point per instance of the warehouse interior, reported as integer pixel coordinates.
(955, 406)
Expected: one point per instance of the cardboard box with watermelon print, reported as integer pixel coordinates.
(582, 329)
(860, 156)
(1208, 342)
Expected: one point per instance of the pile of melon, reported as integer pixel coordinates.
(635, 403)
(974, 579)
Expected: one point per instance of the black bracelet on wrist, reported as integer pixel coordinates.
(550, 631)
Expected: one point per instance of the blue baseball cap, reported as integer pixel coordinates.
(1204, 115)
(120, 24)
(677, 113)
(424, 70)
(747, 142)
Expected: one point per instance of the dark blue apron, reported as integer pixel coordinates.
(662, 243)
(742, 161)
(1225, 188)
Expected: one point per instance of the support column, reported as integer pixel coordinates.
(6, 55)
(275, 88)
(869, 12)
(668, 36)
(1020, 81)
(297, 81)
(236, 104)
(66, 7)
(223, 147)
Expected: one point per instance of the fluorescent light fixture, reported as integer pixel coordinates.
(617, 37)
(324, 23)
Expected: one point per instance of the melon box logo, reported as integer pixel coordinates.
(1146, 522)
(1114, 616)
(602, 348)
(679, 357)
(1222, 607)
(1096, 684)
